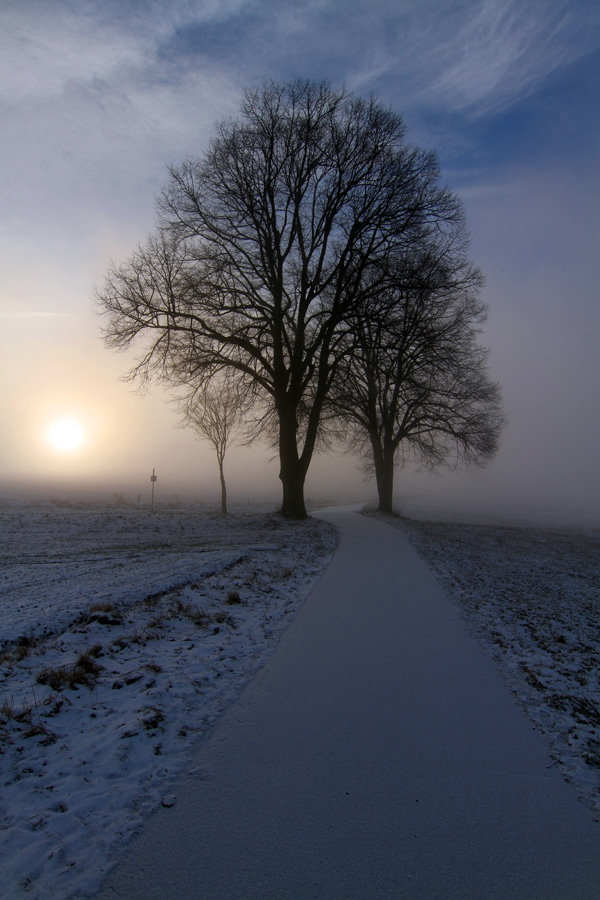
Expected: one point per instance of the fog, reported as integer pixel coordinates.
(495, 495)
(542, 332)
(95, 105)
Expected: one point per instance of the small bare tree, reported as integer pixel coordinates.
(216, 414)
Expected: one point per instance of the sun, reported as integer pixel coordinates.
(65, 434)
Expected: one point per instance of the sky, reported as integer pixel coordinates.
(98, 97)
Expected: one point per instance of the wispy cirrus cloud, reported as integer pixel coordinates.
(124, 58)
(86, 85)
(473, 57)
(506, 48)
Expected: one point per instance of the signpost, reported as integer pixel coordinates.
(153, 479)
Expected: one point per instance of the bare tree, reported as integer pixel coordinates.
(266, 247)
(216, 415)
(415, 383)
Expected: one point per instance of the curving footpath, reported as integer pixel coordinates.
(377, 755)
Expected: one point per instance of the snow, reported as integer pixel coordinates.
(125, 634)
(532, 598)
(378, 754)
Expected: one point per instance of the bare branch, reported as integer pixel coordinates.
(273, 245)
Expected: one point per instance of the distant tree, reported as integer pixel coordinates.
(415, 383)
(216, 415)
(267, 246)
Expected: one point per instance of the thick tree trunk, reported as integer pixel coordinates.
(292, 472)
(385, 488)
(292, 505)
(383, 459)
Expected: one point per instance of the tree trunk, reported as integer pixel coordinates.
(383, 459)
(223, 490)
(292, 505)
(292, 472)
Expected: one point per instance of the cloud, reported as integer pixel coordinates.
(92, 107)
(121, 67)
(474, 57)
(97, 95)
(505, 48)
(45, 47)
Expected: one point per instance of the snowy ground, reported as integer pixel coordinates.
(532, 597)
(124, 635)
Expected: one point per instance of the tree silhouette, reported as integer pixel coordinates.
(267, 248)
(415, 384)
(216, 415)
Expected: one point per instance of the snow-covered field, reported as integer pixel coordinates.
(532, 597)
(124, 634)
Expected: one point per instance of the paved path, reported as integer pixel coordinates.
(377, 755)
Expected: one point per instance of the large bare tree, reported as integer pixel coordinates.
(266, 247)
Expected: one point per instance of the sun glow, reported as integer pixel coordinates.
(65, 434)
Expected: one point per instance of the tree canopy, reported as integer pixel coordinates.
(415, 384)
(269, 249)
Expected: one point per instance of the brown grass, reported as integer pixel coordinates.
(84, 671)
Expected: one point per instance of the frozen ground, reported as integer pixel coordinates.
(532, 596)
(123, 635)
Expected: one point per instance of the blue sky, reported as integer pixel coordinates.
(96, 98)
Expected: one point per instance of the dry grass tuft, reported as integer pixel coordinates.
(84, 671)
(7, 710)
(20, 650)
(29, 716)
(196, 614)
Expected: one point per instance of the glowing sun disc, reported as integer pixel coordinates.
(66, 434)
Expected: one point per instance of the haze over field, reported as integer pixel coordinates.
(96, 98)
